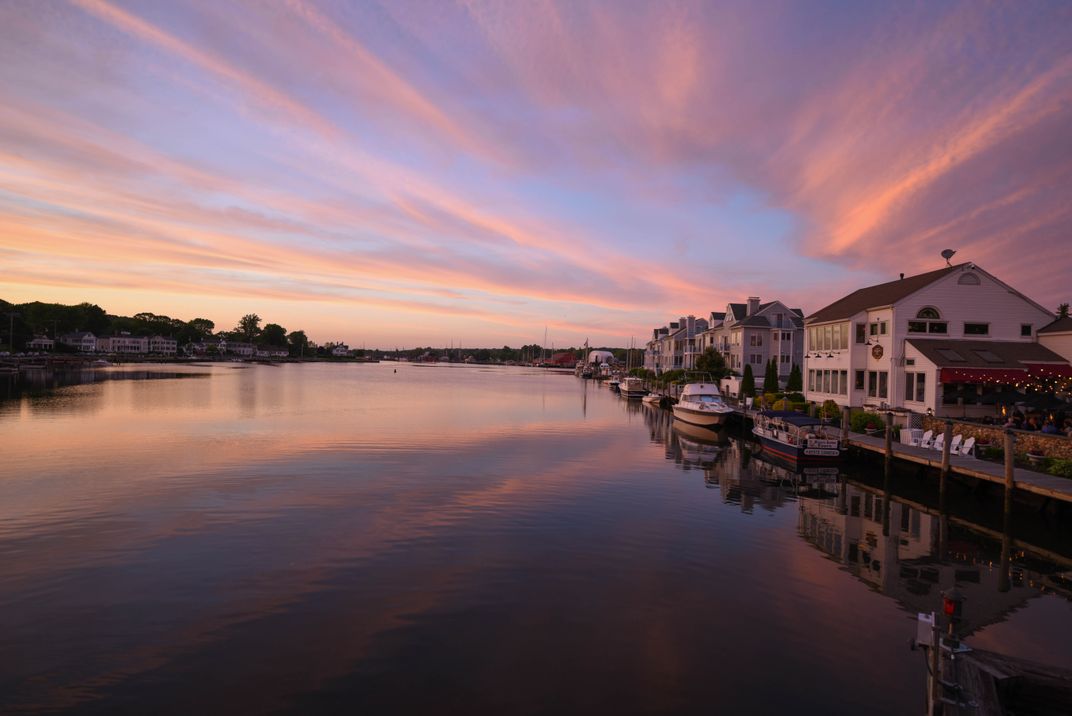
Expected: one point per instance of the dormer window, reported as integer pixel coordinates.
(928, 320)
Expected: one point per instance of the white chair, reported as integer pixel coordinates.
(926, 441)
(939, 441)
(954, 444)
(968, 448)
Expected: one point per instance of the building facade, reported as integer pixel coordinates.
(751, 333)
(83, 341)
(926, 343)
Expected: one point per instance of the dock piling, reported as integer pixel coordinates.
(846, 420)
(944, 474)
(889, 435)
(1010, 469)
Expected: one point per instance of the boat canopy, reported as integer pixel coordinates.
(790, 417)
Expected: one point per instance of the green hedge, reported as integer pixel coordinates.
(861, 421)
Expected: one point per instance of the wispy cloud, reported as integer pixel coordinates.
(595, 167)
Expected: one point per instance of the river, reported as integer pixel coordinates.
(395, 538)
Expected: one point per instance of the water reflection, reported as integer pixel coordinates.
(447, 540)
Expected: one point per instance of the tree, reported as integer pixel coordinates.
(298, 343)
(770, 377)
(795, 384)
(712, 362)
(1062, 311)
(748, 382)
(274, 335)
(249, 326)
(202, 326)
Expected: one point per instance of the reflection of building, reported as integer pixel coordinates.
(749, 482)
(903, 562)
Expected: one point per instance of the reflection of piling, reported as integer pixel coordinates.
(842, 496)
(887, 496)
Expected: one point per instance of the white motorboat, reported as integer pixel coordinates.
(702, 404)
(632, 387)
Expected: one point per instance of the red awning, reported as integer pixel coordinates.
(982, 375)
(1049, 370)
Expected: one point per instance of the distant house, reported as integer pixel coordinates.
(941, 342)
(161, 345)
(341, 351)
(83, 341)
(238, 348)
(123, 344)
(565, 359)
(675, 346)
(41, 343)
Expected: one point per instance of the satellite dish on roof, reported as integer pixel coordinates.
(948, 254)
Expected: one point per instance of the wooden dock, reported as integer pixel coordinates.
(1038, 483)
(986, 683)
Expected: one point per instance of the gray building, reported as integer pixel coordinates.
(751, 333)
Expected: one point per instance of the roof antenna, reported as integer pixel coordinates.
(948, 254)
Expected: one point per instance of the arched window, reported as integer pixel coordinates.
(928, 320)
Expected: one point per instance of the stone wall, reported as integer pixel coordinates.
(1026, 441)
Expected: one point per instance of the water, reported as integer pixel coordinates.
(466, 540)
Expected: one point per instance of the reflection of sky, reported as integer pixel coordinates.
(492, 536)
(427, 172)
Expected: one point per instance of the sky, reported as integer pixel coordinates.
(423, 173)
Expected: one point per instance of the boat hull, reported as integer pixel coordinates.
(823, 452)
(703, 418)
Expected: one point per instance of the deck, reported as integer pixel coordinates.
(1051, 486)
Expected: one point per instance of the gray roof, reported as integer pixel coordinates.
(738, 310)
(1061, 325)
(984, 354)
(756, 322)
(884, 294)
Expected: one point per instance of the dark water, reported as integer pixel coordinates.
(469, 540)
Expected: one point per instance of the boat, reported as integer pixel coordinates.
(614, 384)
(652, 399)
(702, 404)
(632, 387)
(797, 438)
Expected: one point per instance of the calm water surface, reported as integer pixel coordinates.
(466, 540)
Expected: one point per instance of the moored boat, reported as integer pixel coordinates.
(702, 404)
(632, 387)
(797, 438)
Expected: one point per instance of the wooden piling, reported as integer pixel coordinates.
(846, 420)
(1010, 469)
(889, 436)
(943, 476)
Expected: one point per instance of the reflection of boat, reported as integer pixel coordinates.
(796, 437)
(702, 404)
(698, 433)
(100, 363)
(695, 446)
(613, 384)
(632, 388)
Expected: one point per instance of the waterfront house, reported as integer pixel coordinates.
(40, 343)
(675, 346)
(341, 351)
(940, 342)
(1057, 336)
(238, 348)
(124, 343)
(83, 341)
(162, 345)
(753, 332)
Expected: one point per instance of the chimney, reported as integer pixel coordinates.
(902, 277)
(753, 305)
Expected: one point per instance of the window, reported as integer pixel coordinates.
(951, 355)
(1025, 329)
(882, 327)
(811, 380)
(872, 384)
(928, 320)
(859, 384)
(910, 361)
(844, 335)
(873, 329)
(828, 337)
(879, 328)
(989, 356)
(976, 329)
(844, 382)
(915, 386)
(861, 333)
(883, 383)
(826, 381)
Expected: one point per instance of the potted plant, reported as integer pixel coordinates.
(1035, 456)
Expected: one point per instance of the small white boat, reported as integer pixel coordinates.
(613, 384)
(702, 404)
(652, 398)
(632, 388)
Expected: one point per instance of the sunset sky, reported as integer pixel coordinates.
(414, 173)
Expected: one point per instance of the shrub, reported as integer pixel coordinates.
(865, 420)
(769, 398)
(796, 397)
(830, 410)
(779, 405)
(1060, 467)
